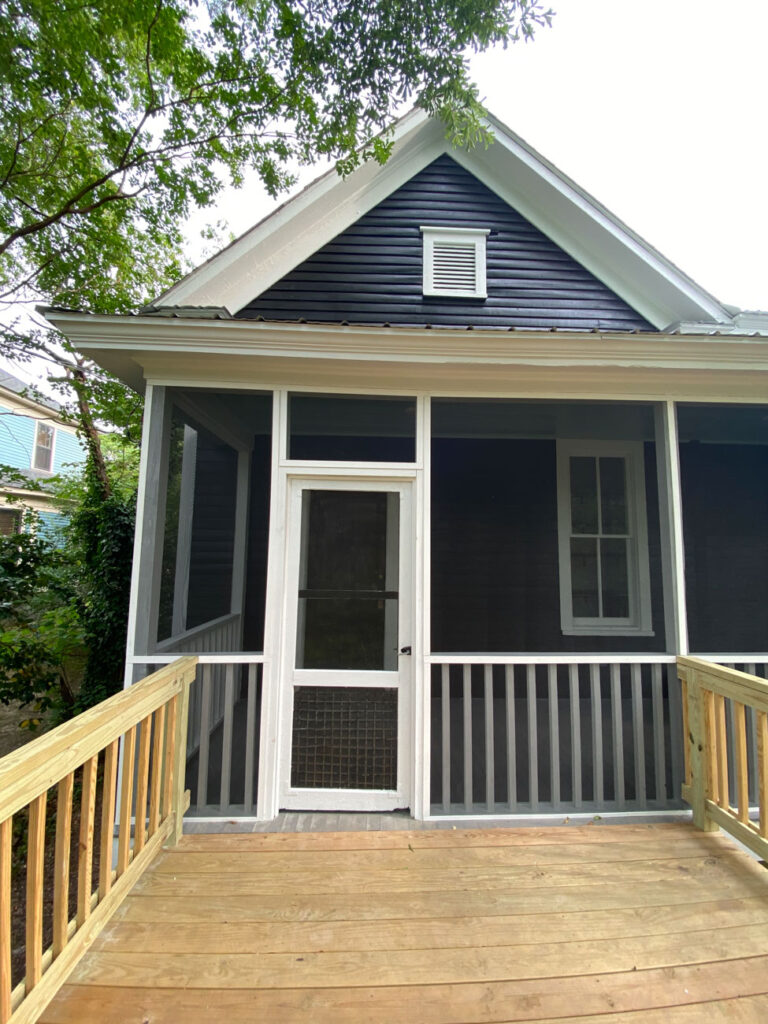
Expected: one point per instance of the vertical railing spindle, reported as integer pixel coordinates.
(35, 864)
(63, 846)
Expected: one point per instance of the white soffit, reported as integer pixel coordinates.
(513, 170)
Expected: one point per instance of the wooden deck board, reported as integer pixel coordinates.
(455, 925)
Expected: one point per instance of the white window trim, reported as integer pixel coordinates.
(475, 236)
(38, 424)
(639, 621)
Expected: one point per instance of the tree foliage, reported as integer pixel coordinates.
(118, 117)
(40, 632)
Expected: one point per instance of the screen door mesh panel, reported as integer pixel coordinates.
(344, 738)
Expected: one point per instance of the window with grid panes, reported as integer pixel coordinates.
(603, 545)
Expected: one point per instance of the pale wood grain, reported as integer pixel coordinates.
(762, 771)
(158, 740)
(142, 785)
(62, 856)
(535, 876)
(740, 747)
(526, 1000)
(85, 849)
(28, 772)
(34, 915)
(170, 756)
(217, 937)
(6, 834)
(126, 800)
(200, 903)
(198, 861)
(108, 798)
(440, 838)
(56, 974)
(418, 967)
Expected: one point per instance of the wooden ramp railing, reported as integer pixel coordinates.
(149, 722)
(725, 713)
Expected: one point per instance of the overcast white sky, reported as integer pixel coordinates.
(656, 107)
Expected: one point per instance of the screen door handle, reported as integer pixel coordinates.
(406, 650)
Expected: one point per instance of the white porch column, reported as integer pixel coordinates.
(671, 525)
(422, 643)
(267, 803)
(150, 522)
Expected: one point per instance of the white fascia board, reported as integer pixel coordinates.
(296, 230)
(127, 340)
(586, 230)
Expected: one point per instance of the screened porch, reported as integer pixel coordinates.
(471, 604)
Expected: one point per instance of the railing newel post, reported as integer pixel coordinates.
(699, 749)
(179, 802)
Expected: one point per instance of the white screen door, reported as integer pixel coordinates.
(345, 713)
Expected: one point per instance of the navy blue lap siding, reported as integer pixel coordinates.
(372, 272)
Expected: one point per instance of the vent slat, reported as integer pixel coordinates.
(454, 266)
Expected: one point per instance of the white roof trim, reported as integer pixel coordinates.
(568, 215)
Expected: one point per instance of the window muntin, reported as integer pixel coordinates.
(603, 545)
(42, 458)
(454, 262)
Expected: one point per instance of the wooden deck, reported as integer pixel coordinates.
(609, 924)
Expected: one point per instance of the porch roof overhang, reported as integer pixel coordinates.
(229, 353)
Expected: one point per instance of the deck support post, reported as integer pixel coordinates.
(699, 755)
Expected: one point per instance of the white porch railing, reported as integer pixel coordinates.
(222, 634)
(555, 733)
(223, 733)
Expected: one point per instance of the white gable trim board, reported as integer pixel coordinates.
(546, 197)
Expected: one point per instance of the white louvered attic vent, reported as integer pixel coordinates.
(454, 262)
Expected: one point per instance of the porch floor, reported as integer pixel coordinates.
(653, 923)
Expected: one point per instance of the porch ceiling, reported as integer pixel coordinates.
(621, 924)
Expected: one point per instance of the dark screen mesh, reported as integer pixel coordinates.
(344, 738)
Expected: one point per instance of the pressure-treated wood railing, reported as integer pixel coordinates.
(149, 722)
(725, 712)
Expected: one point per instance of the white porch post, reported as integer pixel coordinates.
(267, 803)
(241, 537)
(422, 645)
(150, 521)
(671, 524)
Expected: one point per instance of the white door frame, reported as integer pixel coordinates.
(402, 679)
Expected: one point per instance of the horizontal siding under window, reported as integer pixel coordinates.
(372, 272)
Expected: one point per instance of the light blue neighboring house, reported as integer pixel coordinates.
(37, 443)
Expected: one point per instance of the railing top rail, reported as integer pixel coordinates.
(550, 659)
(727, 682)
(32, 769)
(219, 658)
(205, 627)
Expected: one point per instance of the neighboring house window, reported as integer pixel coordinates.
(10, 521)
(454, 262)
(43, 457)
(603, 540)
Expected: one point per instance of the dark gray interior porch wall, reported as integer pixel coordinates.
(495, 581)
(213, 531)
(725, 518)
(372, 272)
